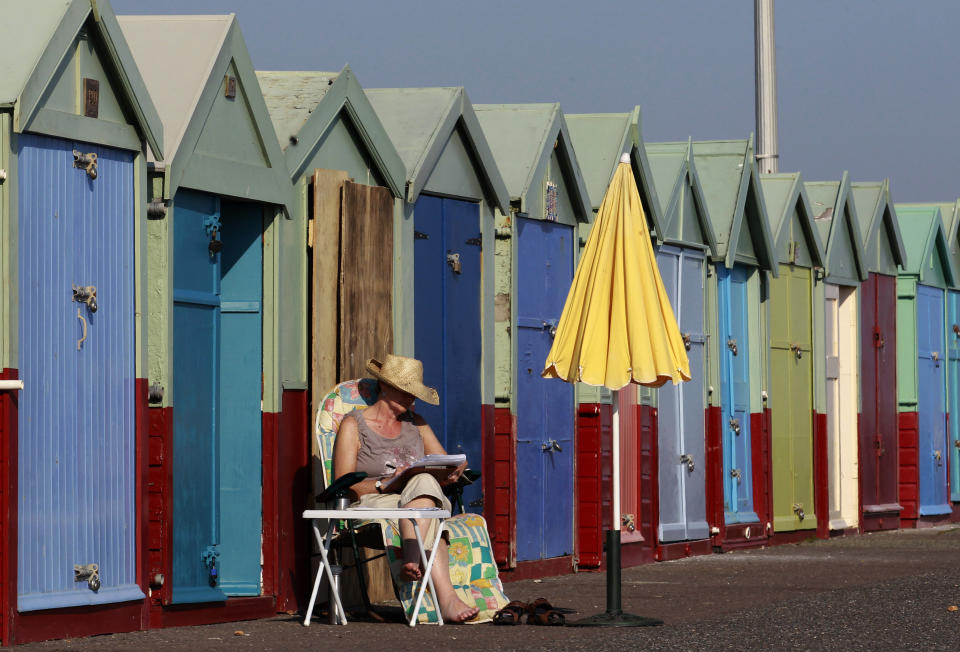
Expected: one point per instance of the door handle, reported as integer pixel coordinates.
(688, 460)
(796, 350)
(83, 322)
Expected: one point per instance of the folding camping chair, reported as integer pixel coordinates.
(476, 571)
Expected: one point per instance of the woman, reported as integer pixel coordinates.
(383, 440)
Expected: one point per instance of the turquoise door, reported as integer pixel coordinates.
(953, 370)
(216, 402)
(734, 351)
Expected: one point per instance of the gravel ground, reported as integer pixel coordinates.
(877, 591)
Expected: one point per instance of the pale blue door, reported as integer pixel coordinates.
(545, 411)
(681, 408)
(931, 404)
(953, 366)
(734, 351)
(76, 442)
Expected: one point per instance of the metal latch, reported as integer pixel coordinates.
(628, 521)
(212, 227)
(551, 327)
(798, 510)
(878, 340)
(85, 294)
(688, 460)
(732, 345)
(735, 426)
(89, 573)
(419, 235)
(956, 443)
(209, 558)
(552, 445)
(935, 355)
(956, 330)
(735, 473)
(938, 455)
(86, 162)
(454, 261)
(797, 351)
(686, 340)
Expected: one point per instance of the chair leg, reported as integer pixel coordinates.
(428, 576)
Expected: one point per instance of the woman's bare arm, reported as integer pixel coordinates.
(432, 446)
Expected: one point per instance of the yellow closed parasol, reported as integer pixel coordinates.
(618, 327)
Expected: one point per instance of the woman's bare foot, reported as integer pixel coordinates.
(457, 611)
(410, 571)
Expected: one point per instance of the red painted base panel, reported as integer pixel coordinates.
(739, 536)
(234, 609)
(781, 538)
(293, 490)
(682, 549)
(875, 522)
(8, 507)
(532, 570)
(77, 622)
(821, 476)
(500, 482)
(908, 472)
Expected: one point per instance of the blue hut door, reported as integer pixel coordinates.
(681, 407)
(447, 339)
(734, 352)
(545, 412)
(217, 340)
(953, 337)
(76, 466)
(931, 404)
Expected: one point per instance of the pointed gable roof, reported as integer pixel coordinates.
(731, 185)
(675, 175)
(522, 138)
(950, 212)
(36, 36)
(420, 121)
(184, 60)
(925, 241)
(599, 140)
(877, 215)
(845, 261)
(786, 196)
(305, 105)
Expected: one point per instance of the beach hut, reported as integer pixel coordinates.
(836, 369)
(76, 128)
(799, 253)
(738, 454)
(879, 440)
(600, 139)
(679, 438)
(443, 284)
(951, 219)
(337, 268)
(214, 261)
(536, 251)
(922, 365)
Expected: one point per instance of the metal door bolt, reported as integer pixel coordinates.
(89, 573)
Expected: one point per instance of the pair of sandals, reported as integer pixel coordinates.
(538, 612)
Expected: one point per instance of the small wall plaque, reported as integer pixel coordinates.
(91, 97)
(551, 201)
(230, 86)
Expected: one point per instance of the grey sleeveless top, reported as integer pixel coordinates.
(380, 456)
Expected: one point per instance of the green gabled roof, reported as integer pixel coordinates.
(421, 120)
(522, 139)
(184, 60)
(875, 209)
(923, 236)
(951, 220)
(304, 105)
(842, 236)
(729, 177)
(599, 140)
(36, 35)
(783, 193)
(674, 174)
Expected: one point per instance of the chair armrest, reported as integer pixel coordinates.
(339, 487)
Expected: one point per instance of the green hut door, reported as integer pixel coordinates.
(791, 398)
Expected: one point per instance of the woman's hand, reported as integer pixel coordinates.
(453, 477)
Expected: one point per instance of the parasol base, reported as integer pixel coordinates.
(615, 619)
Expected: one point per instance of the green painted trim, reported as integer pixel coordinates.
(347, 96)
(9, 249)
(271, 401)
(271, 184)
(486, 217)
(127, 74)
(759, 342)
(82, 128)
(141, 196)
(5, 241)
(232, 178)
(767, 255)
(907, 343)
(159, 286)
(403, 279)
(460, 111)
(712, 331)
(641, 165)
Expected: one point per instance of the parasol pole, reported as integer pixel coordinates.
(614, 603)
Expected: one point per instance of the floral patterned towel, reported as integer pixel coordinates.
(472, 570)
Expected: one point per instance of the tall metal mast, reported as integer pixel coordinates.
(768, 155)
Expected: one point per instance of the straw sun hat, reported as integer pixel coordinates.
(405, 374)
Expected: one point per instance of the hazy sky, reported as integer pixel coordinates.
(865, 86)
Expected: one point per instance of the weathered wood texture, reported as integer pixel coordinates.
(366, 277)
